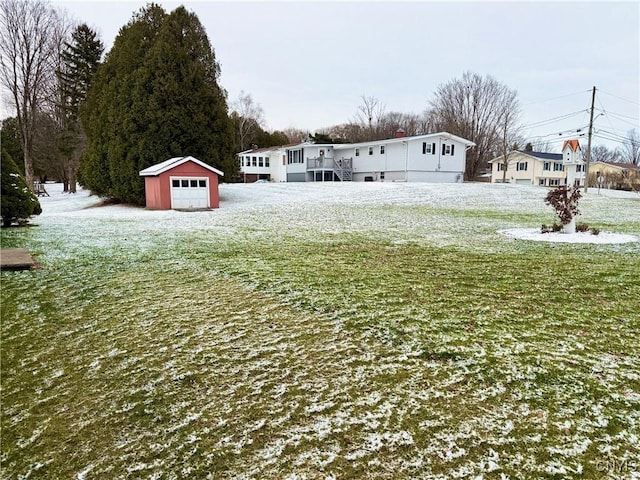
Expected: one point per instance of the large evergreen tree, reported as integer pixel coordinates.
(79, 62)
(156, 96)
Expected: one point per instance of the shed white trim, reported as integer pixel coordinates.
(155, 170)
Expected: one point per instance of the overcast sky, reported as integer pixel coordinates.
(308, 63)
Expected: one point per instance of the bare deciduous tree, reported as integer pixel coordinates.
(630, 150)
(28, 48)
(600, 153)
(474, 108)
(248, 116)
(295, 135)
(368, 117)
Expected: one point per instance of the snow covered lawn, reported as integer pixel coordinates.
(319, 331)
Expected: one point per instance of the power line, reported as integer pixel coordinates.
(616, 96)
(552, 120)
(557, 98)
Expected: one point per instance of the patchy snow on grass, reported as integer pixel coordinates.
(361, 330)
(534, 234)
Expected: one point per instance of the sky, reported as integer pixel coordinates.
(308, 64)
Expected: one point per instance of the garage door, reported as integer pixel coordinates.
(189, 193)
(523, 181)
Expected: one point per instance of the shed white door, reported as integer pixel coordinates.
(189, 193)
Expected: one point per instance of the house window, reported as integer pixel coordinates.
(175, 183)
(194, 183)
(370, 150)
(427, 148)
(554, 182)
(541, 182)
(382, 151)
(501, 167)
(381, 175)
(446, 149)
(185, 183)
(521, 166)
(261, 161)
(547, 166)
(558, 167)
(266, 161)
(579, 168)
(202, 183)
(254, 161)
(357, 152)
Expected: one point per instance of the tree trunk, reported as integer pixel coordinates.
(72, 179)
(570, 227)
(29, 176)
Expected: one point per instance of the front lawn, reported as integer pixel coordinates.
(322, 331)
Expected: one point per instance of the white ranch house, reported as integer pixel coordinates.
(538, 168)
(438, 157)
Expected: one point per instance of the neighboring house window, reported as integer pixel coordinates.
(500, 167)
(382, 153)
(558, 167)
(381, 175)
(254, 161)
(541, 182)
(294, 156)
(521, 166)
(579, 168)
(554, 182)
(547, 166)
(357, 152)
(261, 161)
(266, 161)
(370, 150)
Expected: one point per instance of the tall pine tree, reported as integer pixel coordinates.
(156, 96)
(79, 62)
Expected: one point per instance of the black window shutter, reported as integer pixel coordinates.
(452, 149)
(424, 147)
(444, 148)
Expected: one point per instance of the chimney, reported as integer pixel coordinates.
(400, 133)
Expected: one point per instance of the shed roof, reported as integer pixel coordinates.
(155, 170)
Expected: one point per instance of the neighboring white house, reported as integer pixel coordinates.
(438, 157)
(538, 168)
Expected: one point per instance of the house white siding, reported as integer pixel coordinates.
(436, 157)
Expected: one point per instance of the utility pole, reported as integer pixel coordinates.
(586, 172)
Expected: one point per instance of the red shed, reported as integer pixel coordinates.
(181, 183)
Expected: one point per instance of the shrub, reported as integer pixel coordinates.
(564, 200)
(18, 202)
(595, 231)
(582, 227)
(555, 227)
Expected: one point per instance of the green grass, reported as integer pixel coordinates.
(271, 354)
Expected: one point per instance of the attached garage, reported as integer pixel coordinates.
(181, 183)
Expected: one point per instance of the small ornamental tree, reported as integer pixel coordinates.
(564, 200)
(18, 202)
